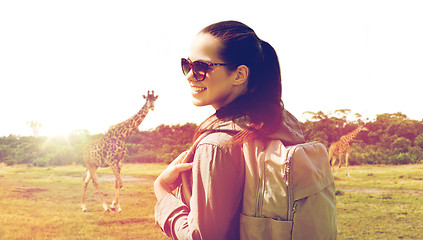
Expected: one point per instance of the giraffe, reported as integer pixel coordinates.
(342, 147)
(110, 150)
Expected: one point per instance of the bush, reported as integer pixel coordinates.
(418, 141)
(144, 157)
(366, 157)
(365, 154)
(417, 152)
(355, 158)
(168, 157)
(402, 158)
(10, 161)
(401, 144)
(42, 161)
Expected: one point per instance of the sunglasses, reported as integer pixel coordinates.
(199, 69)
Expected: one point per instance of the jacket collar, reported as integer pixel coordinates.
(289, 131)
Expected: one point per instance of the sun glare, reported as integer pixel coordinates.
(51, 129)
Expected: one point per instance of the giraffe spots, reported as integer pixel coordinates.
(111, 144)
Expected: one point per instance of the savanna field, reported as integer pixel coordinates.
(376, 202)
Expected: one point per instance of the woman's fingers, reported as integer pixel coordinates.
(171, 174)
(179, 158)
(183, 167)
(169, 179)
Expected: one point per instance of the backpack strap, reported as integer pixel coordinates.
(186, 176)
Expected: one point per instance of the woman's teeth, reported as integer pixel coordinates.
(198, 89)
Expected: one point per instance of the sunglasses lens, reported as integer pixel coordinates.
(186, 66)
(200, 70)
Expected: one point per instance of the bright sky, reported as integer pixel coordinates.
(85, 64)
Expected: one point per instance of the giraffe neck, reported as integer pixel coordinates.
(350, 136)
(126, 128)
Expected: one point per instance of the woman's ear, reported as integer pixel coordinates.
(241, 77)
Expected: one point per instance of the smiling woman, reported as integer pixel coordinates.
(238, 74)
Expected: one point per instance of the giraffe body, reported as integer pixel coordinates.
(342, 148)
(110, 151)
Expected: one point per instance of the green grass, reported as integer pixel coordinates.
(380, 202)
(376, 202)
(44, 203)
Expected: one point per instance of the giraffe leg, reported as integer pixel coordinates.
(346, 164)
(118, 186)
(333, 164)
(115, 203)
(95, 183)
(340, 162)
(86, 180)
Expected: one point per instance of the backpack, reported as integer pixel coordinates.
(289, 192)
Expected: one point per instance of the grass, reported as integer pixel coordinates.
(376, 202)
(44, 203)
(380, 202)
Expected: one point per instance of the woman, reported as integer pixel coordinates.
(238, 74)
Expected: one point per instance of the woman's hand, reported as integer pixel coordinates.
(170, 179)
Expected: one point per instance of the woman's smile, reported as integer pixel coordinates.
(197, 89)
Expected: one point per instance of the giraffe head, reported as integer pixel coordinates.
(150, 99)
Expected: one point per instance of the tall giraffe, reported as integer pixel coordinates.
(342, 147)
(110, 150)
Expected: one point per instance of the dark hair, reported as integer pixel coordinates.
(262, 103)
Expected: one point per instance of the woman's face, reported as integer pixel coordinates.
(218, 88)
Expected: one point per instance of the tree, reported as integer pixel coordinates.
(35, 126)
(418, 141)
(401, 144)
(392, 139)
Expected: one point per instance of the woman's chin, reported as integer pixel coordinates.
(197, 102)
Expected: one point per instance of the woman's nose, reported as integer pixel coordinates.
(190, 76)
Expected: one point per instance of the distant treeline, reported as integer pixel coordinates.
(391, 139)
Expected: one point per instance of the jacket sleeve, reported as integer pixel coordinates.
(215, 204)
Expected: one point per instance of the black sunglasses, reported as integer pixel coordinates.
(199, 69)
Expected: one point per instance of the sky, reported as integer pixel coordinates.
(84, 65)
